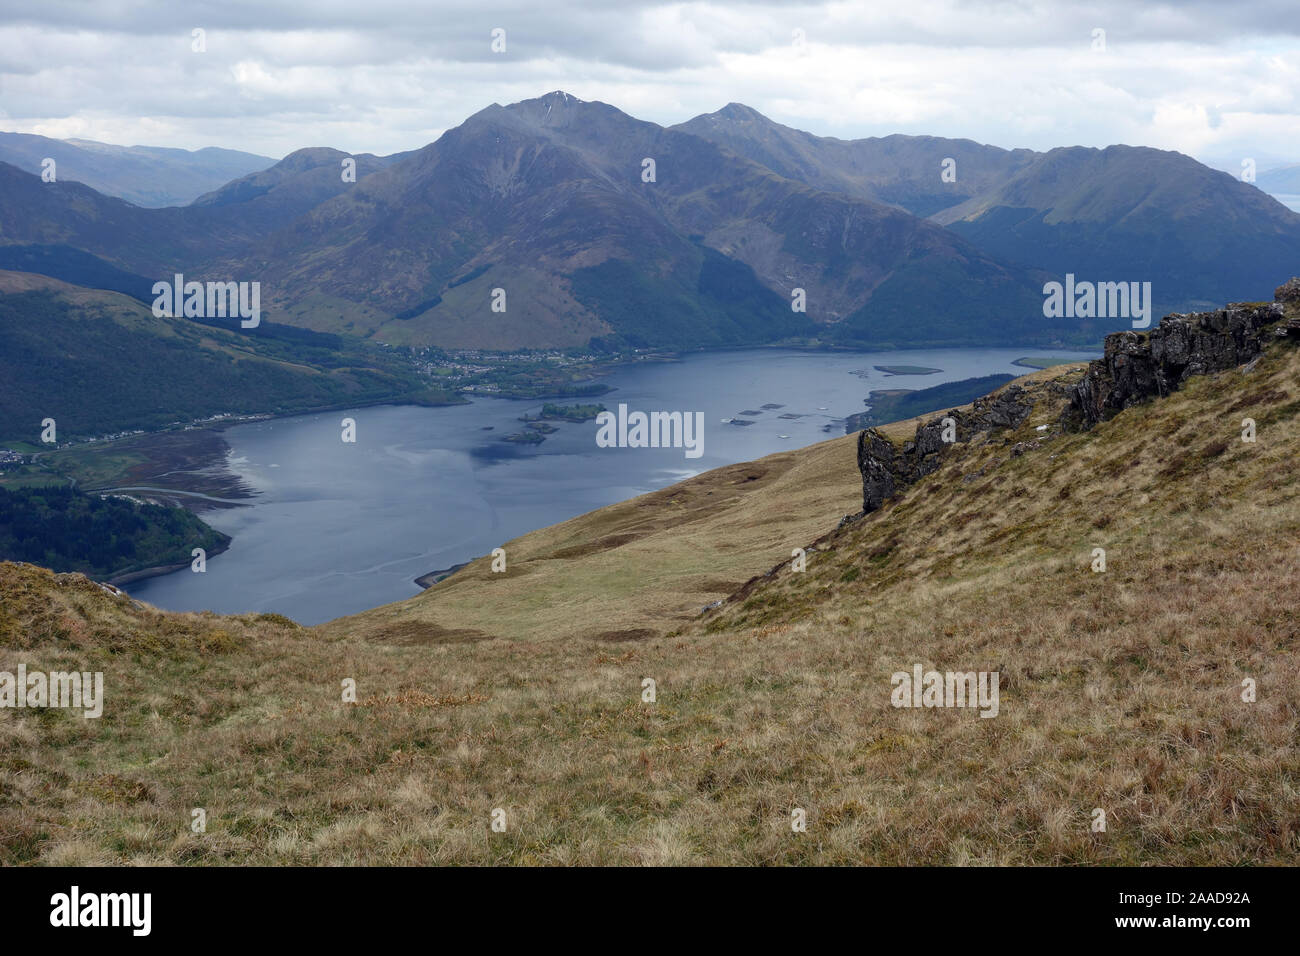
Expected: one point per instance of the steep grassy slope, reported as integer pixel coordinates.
(523, 691)
(1121, 690)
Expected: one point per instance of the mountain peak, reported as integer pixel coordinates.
(309, 157)
(560, 96)
(739, 111)
(556, 99)
(549, 109)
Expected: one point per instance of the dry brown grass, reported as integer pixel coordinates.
(1120, 690)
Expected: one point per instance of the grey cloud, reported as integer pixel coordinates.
(383, 75)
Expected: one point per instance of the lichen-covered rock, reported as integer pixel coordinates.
(1137, 366)
(876, 461)
(887, 469)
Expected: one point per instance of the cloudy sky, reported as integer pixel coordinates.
(1215, 80)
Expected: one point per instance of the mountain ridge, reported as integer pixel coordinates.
(149, 176)
(600, 229)
(558, 146)
(898, 169)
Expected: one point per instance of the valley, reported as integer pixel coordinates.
(663, 681)
(333, 528)
(603, 476)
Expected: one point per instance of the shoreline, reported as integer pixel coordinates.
(184, 468)
(431, 578)
(667, 355)
(130, 577)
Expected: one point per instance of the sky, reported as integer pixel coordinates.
(1218, 81)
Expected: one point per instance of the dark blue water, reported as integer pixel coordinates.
(338, 528)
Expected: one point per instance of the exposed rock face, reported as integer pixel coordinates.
(886, 470)
(1137, 366)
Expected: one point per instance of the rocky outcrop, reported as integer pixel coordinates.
(887, 469)
(1137, 366)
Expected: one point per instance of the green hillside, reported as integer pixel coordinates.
(100, 363)
(105, 538)
(892, 405)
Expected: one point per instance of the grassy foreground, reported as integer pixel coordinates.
(523, 691)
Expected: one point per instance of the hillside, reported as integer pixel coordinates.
(109, 538)
(1199, 236)
(903, 171)
(279, 194)
(1120, 690)
(100, 363)
(545, 199)
(69, 231)
(1125, 214)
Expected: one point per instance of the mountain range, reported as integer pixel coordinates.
(607, 231)
(1123, 213)
(143, 175)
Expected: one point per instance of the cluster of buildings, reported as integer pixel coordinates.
(10, 459)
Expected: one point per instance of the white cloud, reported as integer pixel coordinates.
(383, 75)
